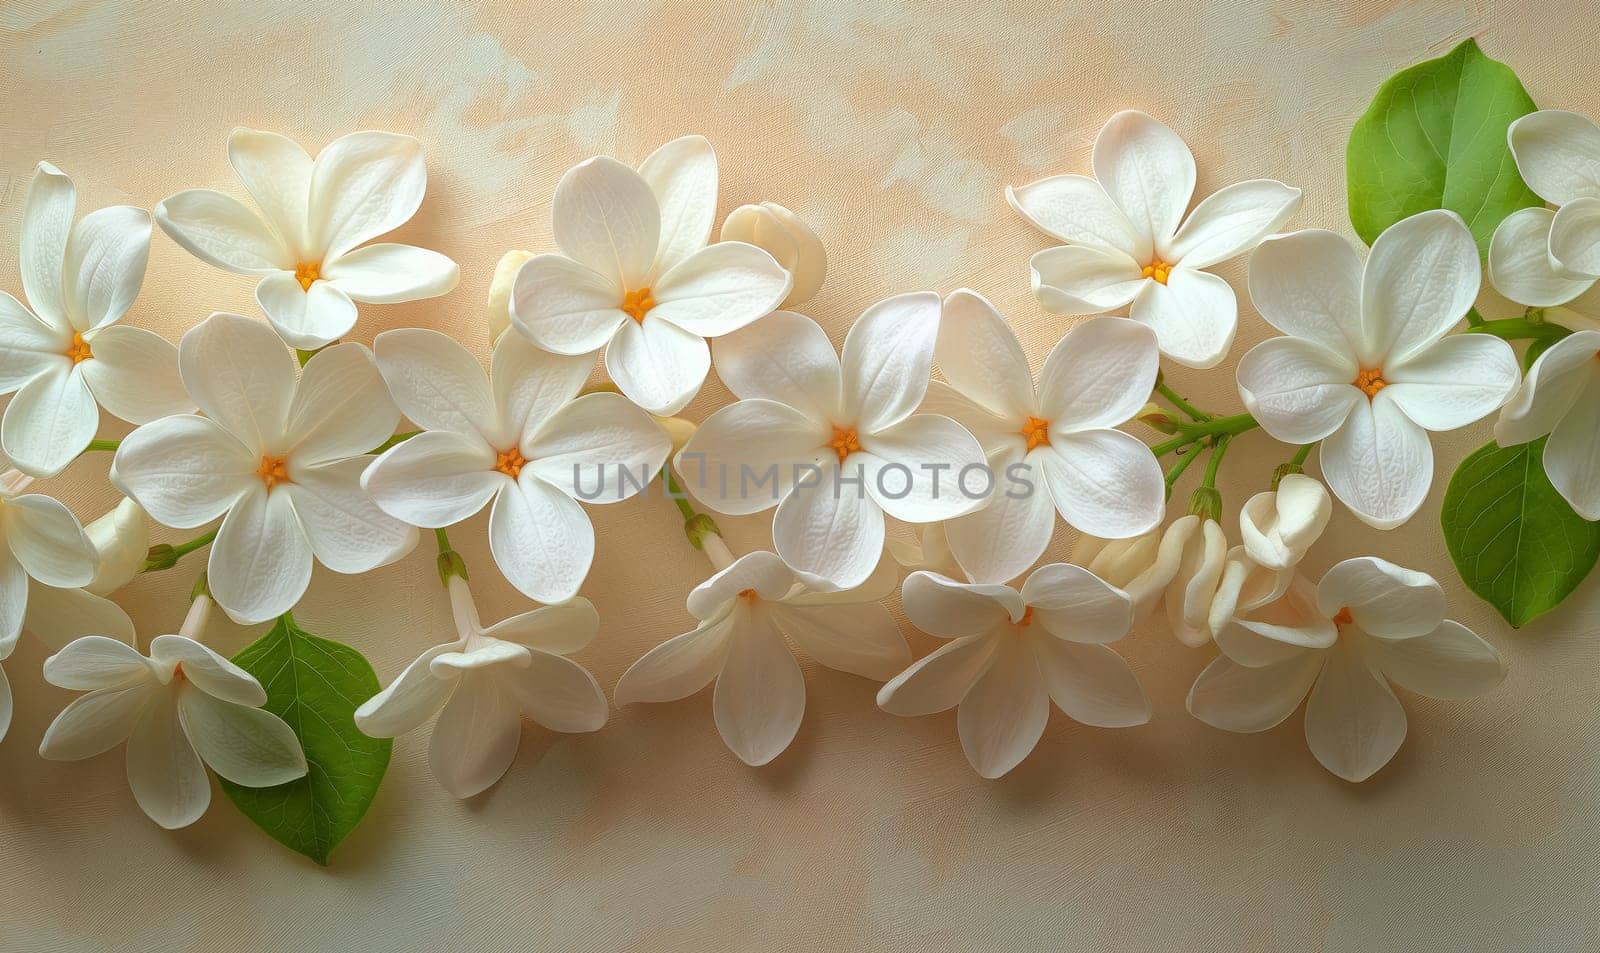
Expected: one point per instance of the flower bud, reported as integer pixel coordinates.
(1157, 416)
(677, 429)
(121, 541)
(505, 275)
(1206, 503)
(1278, 527)
(781, 234)
(451, 564)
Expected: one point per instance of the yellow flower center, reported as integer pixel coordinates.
(637, 304)
(1370, 381)
(1157, 269)
(844, 442)
(510, 462)
(273, 470)
(79, 350)
(1027, 618)
(1344, 618)
(1036, 431)
(748, 595)
(307, 273)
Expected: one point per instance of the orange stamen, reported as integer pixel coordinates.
(273, 471)
(637, 304)
(307, 273)
(1370, 381)
(749, 595)
(510, 462)
(1344, 617)
(1037, 432)
(1157, 269)
(79, 350)
(1027, 618)
(844, 442)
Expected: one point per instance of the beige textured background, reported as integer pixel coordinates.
(892, 128)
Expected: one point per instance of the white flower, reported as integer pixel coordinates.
(1141, 566)
(1012, 653)
(834, 447)
(281, 459)
(1191, 593)
(482, 683)
(498, 307)
(1368, 368)
(1561, 397)
(1368, 623)
(1126, 244)
(68, 356)
(636, 277)
(745, 611)
(1278, 526)
(1050, 444)
(181, 709)
(931, 551)
(121, 539)
(1545, 258)
(522, 439)
(789, 240)
(306, 242)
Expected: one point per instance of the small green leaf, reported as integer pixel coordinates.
(315, 685)
(1514, 540)
(1435, 137)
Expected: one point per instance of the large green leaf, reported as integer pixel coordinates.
(315, 685)
(1435, 137)
(1514, 540)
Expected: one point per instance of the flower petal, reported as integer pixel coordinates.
(531, 384)
(1378, 462)
(208, 671)
(912, 467)
(618, 445)
(1104, 482)
(1572, 456)
(389, 273)
(557, 693)
(167, 777)
(999, 541)
(246, 745)
(1575, 238)
(14, 591)
(1308, 284)
(784, 357)
(1076, 210)
(1233, 220)
(1354, 724)
(564, 306)
(277, 173)
(1457, 381)
(48, 541)
(185, 470)
(1449, 662)
(97, 662)
(887, 357)
(95, 723)
(1558, 154)
(1194, 315)
(134, 375)
(1090, 683)
(305, 318)
(1421, 278)
(42, 248)
(260, 563)
(1146, 169)
(363, 185)
(50, 420)
(747, 456)
(1099, 375)
(981, 358)
(1193, 589)
(541, 539)
(341, 408)
(436, 382)
(1385, 600)
(1236, 697)
(1549, 390)
(241, 376)
(435, 479)
(560, 629)
(59, 617)
(348, 532)
(760, 696)
(949, 609)
(416, 695)
(720, 289)
(606, 217)
(222, 232)
(657, 364)
(28, 346)
(759, 572)
(105, 265)
(477, 735)
(1277, 526)
(939, 680)
(683, 176)
(1520, 266)
(831, 529)
(1300, 391)
(1079, 279)
(1002, 717)
(860, 639)
(678, 667)
(1074, 604)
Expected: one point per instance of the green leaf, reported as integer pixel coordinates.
(315, 685)
(1514, 540)
(1435, 137)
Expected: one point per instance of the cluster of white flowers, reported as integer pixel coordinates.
(303, 465)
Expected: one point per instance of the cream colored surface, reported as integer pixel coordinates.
(892, 129)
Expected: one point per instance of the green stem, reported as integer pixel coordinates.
(1214, 463)
(1177, 400)
(165, 555)
(393, 441)
(1201, 429)
(1520, 329)
(1299, 458)
(1177, 469)
(104, 446)
(697, 526)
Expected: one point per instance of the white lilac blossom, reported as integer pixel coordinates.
(1369, 366)
(1543, 258)
(745, 613)
(482, 683)
(1014, 652)
(522, 440)
(636, 277)
(1129, 244)
(279, 459)
(1366, 624)
(68, 357)
(834, 443)
(307, 243)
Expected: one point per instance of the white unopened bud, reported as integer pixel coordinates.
(505, 275)
(121, 540)
(781, 234)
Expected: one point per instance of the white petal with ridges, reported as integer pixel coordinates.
(221, 231)
(1558, 154)
(1308, 284)
(1236, 697)
(760, 696)
(1575, 238)
(598, 449)
(949, 609)
(1421, 278)
(761, 573)
(911, 468)
(1104, 482)
(939, 680)
(557, 693)
(412, 698)
(999, 541)
(1572, 457)
(727, 461)
(185, 470)
(1146, 169)
(210, 672)
(1354, 724)
(49, 421)
(247, 746)
(606, 217)
(241, 376)
(1378, 462)
(260, 563)
(1299, 391)
(1550, 388)
(167, 777)
(859, 639)
(1232, 221)
(27, 345)
(348, 532)
(1449, 662)
(678, 667)
(434, 479)
(1385, 600)
(565, 306)
(1072, 603)
(476, 737)
(42, 245)
(1076, 210)
(388, 273)
(1457, 381)
(657, 364)
(1099, 375)
(1078, 279)
(887, 357)
(436, 382)
(305, 318)
(363, 185)
(980, 356)
(134, 375)
(683, 176)
(105, 265)
(1194, 316)
(720, 289)
(785, 357)
(47, 540)
(1091, 683)
(1520, 266)
(95, 723)
(832, 530)
(96, 662)
(541, 539)
(277, 173)
(1003, 716)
